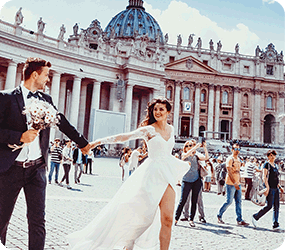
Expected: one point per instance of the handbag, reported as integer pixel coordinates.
(258, 197)
(202, 170)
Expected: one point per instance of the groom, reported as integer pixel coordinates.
(26, 168)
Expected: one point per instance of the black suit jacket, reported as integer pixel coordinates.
(13, 123)
(75, 156)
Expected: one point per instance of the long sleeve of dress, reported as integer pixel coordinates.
(145, 133)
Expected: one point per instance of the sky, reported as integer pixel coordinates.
(246, 22)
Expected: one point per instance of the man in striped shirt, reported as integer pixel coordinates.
(248, 175)
(56, 155)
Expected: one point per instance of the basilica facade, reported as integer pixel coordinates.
(121, 68)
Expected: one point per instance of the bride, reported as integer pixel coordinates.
(140, 215)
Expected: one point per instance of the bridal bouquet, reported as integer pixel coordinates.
(42, 114)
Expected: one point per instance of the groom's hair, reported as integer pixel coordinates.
(34, 64)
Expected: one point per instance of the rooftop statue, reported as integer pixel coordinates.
(19, 17)
(219, 46)
(166, 38)
(75, 29)
(199, 43)
(257, 51)
(61, 32)
(237, 48)
(41, 26)
(211, 44)
(179, 40)
(190, 40)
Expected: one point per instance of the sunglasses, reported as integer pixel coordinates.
(190, 145)
(236, 149)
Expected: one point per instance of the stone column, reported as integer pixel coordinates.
(75, 99)
(82, 108)
(176, 109)
(197, 110)
(211, 110)
(114, 104)
(55, 88)
(281, 111)
(128, 106)
(156, 93)
(256, 128)
(236, 118)
(62, 91)
(95, 104)
(217, 110)
(18, 77)
(2, 83)
(11, 75)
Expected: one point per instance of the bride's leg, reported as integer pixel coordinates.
(166, 216)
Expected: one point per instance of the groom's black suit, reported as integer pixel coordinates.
(14, 177)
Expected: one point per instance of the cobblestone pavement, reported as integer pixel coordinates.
(69, 210)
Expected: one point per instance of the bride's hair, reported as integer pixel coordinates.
(149, 119)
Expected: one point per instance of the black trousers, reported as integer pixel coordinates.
(33, 181)
(66, 168)
(186, 187)
(248, 182)
(89, 163)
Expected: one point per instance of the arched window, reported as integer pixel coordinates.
(203, 95)
(225, 99)
(186, 93)
(245, 100)
(269, 102)
(169, 93)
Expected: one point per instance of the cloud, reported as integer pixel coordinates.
(281, 2)
(189, 20)
(268, 1)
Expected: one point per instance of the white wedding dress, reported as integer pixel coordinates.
(132, 218)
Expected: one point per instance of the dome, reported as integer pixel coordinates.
(132, 22)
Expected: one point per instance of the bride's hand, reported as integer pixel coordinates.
(94, 144)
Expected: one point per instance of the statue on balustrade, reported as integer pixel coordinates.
(61, 32)
(280, 57)
(166, 38)
(179, 40)
(112, 33)
(199, 43)
(211, 44)
(75, 29)
(237, 48)
(190, 40)
(219, 46)
(82, 37)
(257, 51)
(19, 17)
(41, 26)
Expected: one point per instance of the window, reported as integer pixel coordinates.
(246, 69)
(169, 93)
(269, 69)
(171, 59)
(227, 66)
(225, 99)
(203, 110)
(225, 112)
(203, 95)
(269, 102)
(186, 93)
(245, 100)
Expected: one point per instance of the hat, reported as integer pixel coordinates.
(220, 158)
(56, 139)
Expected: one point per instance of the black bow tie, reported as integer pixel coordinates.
(35, 95)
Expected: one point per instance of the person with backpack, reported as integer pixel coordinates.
(271, 181)
(233, 186)
(221, 173)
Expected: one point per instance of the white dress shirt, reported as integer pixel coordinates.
(30, 151)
